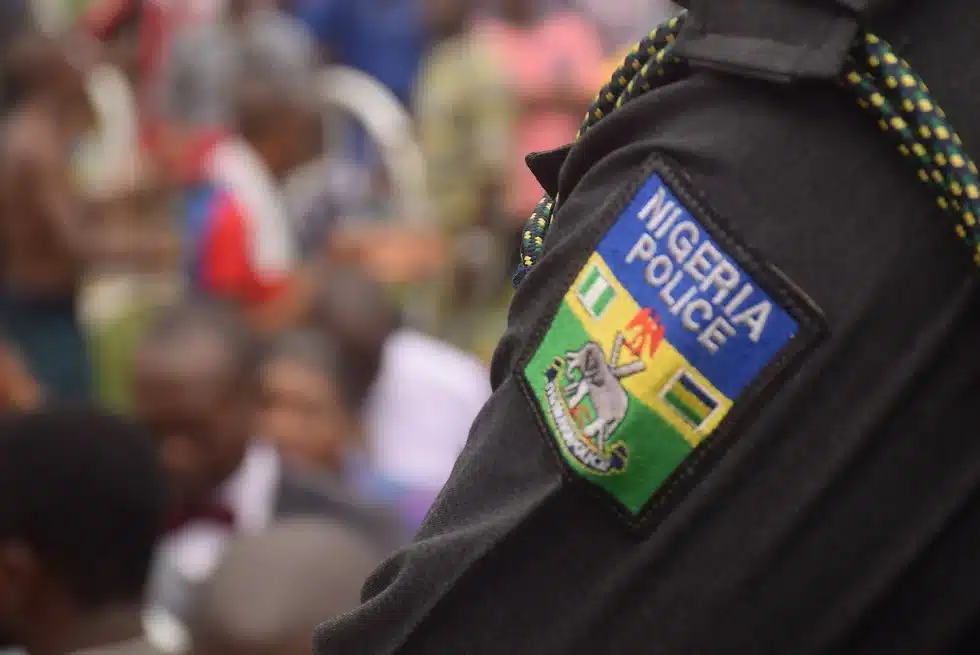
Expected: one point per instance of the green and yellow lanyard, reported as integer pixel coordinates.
(885, 86)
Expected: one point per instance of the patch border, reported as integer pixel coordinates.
(702, 460)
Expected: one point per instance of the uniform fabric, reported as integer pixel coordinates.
(845, 515)
(885, 86)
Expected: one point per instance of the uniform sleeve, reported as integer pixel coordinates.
(501, 489)
(764, 539)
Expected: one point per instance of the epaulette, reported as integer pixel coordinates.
(786, 42)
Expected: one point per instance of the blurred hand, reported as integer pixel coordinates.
(18, 390)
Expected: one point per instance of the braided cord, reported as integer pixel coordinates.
(884, 85)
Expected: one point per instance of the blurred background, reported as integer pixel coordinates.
(329, 192)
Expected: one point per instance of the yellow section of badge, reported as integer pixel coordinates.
(622, 321)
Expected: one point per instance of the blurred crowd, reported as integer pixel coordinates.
(278, 238)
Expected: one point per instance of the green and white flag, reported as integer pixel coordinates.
(596, 292)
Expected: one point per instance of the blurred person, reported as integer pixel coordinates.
(193, 387)
(735, 408)
(422, 393)
(272, 590)
(313, 389)
(45, 246)
(124, 45)
(81, 504)
(16, 19)
(622, 22)
(383, 38)
(132, 211)
(554, 59)
(332, 196)
(195, 103)
(142, 31)
(309, 407)
(241, 243)
(130, 204)
(18, 389)
(466, 115)
(203, 64)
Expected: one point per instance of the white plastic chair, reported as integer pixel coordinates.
(389, 126)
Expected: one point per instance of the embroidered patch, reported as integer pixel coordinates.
(668, 326)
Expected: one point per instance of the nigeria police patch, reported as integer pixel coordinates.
(667, 332)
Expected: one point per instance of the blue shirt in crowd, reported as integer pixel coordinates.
(383, 38)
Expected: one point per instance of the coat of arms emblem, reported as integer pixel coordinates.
(588, 403)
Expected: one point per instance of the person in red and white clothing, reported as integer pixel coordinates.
(240, 240)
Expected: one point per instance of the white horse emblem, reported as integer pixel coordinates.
(600, 381)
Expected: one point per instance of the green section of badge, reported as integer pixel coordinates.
(631, 460)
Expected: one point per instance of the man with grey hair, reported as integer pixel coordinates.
(205, 61)
(258, 89)
(272, 589)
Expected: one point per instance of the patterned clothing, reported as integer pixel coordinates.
(562, 50)
(239, 241)
(465, 113)
(383, 38)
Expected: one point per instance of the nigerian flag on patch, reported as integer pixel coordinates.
(662, 332)
(596, 292)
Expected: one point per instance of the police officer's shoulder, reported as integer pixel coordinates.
(707, 236)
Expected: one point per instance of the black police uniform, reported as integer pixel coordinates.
(835, 508)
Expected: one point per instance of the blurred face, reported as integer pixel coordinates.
(287, 141)
(517, 10)
(443, 17)
(312, 141)
(303, 413)
(306, 136)
(195, 408)
(75, 107)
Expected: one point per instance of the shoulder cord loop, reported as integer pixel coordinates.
(885, 86)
